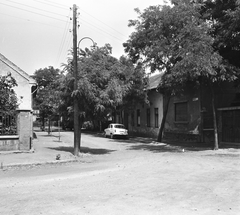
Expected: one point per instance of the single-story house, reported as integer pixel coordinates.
(190, 116)
(22, 139)
(145, 120)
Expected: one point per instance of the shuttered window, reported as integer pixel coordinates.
(181, 112)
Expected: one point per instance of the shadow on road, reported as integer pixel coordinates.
(85, 150)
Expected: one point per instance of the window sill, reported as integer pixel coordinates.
(181, 122)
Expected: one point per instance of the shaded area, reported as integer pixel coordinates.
(86, 150)
(156, 148)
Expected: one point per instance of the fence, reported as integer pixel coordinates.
(8, 123)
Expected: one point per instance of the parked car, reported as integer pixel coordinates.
(116, 130)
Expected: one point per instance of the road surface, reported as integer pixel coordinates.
(126, 177)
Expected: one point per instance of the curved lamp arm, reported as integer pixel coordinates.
(94, 44)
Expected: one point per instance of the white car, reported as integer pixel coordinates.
(115, 129)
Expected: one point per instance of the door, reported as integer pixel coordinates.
(231, 126)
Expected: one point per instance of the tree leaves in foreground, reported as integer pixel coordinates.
(177, 41)
(8, 98)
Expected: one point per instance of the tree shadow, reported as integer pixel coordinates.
(85, 150)
(169, 147)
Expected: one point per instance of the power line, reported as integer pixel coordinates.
(33, 12)
(35, 8)
(29, 20)
(103, 22)
(56, 5)
(103, 31)
(65, 33)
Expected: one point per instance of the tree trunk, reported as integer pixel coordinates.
(77, 129)
(214, 120)
(49, 126)
(165, 111)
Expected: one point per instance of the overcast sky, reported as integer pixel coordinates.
(37, 33)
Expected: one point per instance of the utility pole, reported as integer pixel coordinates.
(77, 134)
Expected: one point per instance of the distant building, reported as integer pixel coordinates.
(22, 140)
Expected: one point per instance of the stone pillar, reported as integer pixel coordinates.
(25, 129)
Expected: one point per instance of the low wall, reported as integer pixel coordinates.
(9, 143)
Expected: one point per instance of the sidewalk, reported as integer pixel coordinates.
(45, 151)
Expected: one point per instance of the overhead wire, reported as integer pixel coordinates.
(66, 38)
(33, 12)
(65, 33)
(35, 8)
(29, 20)
(53, 4)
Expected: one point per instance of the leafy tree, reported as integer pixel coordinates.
(8, 98)
(104, 83)
(48, 95)
(177, 41)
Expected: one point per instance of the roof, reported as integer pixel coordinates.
(154, 81)
(17, 69)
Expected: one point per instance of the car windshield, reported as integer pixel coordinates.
(119, 126)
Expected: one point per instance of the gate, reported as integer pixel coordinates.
(231, 126)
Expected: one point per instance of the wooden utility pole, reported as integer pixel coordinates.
(75, 72)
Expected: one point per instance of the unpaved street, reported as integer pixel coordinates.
(127, 177)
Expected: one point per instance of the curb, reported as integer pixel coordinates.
(22, 165)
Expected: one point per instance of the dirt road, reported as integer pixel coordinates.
(127, 177)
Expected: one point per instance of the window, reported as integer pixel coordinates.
(181, 112)
(132, 118)
(148, 117)
(156, 117)
(8, 124)
(138, 117)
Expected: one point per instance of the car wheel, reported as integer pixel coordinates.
(112, 136)
(105, 134)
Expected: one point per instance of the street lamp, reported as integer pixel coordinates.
(94, 44)
(77, 129)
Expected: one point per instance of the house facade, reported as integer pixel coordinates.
(22, 140)
(190, 115)
(145, 119)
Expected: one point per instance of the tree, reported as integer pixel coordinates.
(103, 83)
(176, 40)
(8, 98)
(48, 95)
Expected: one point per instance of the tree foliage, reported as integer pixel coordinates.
(179, 41)
(8, 98)
(48, 95)
(104, 83)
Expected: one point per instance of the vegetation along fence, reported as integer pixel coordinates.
(8, 123)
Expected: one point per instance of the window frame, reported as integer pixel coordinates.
(156, 115)
(148, 114)
(183, 118)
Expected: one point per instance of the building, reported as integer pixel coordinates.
(190, 115)
(145, 119)
(22, 140)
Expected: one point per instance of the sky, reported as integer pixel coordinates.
(36, 34)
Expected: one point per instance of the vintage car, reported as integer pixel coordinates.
(116, 130)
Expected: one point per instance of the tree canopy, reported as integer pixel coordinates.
(48, 94)
(104, 82)
(181, 42)
(8, 98)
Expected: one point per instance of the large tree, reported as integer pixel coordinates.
(177, 41)
(104, 84)
(47, 99)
